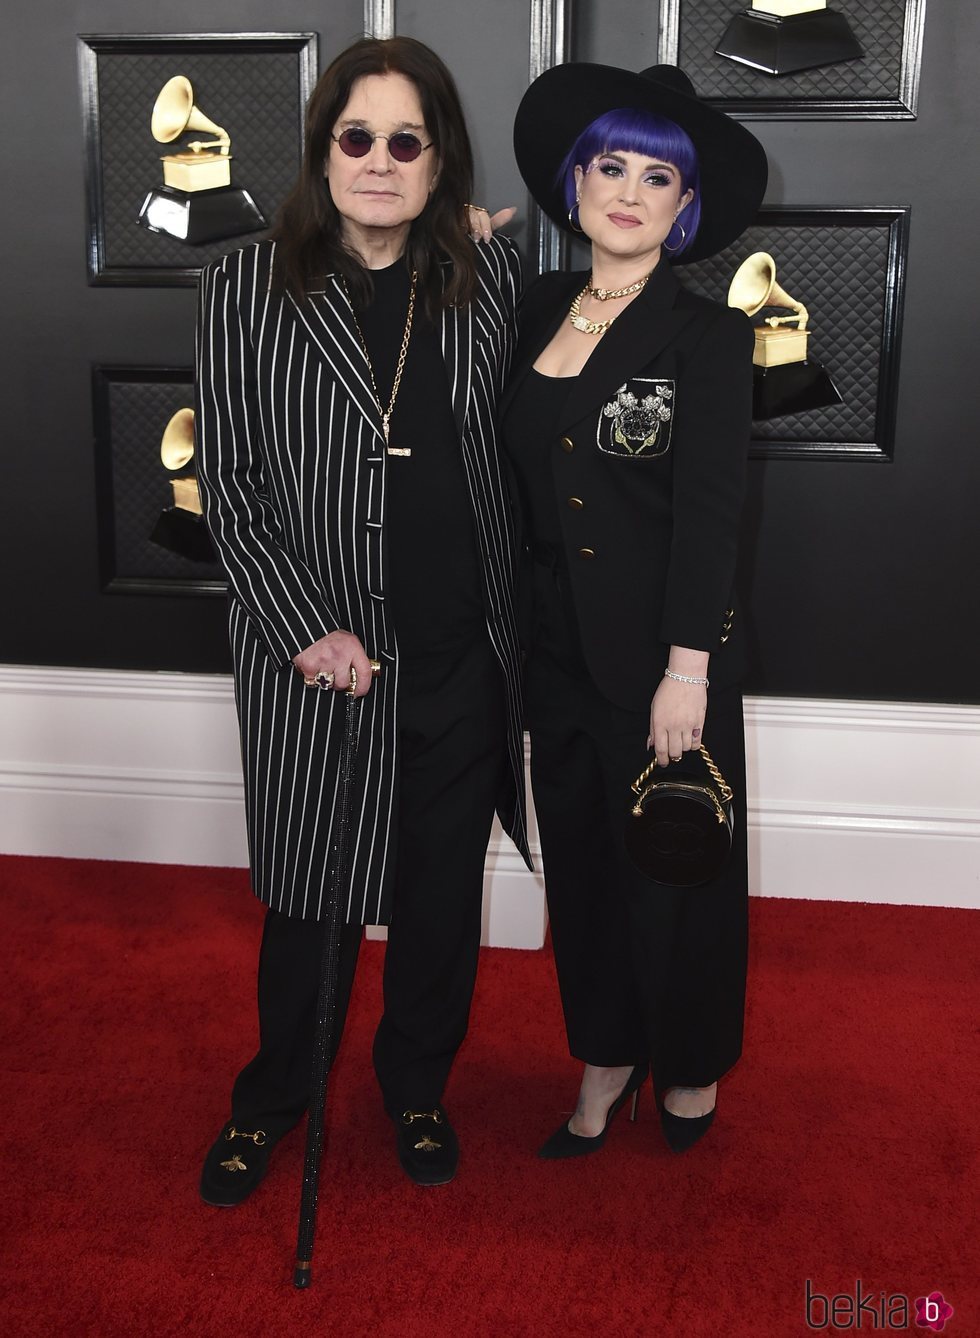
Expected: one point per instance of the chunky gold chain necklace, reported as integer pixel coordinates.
(386, 413)
(604, 294)
(582, 322)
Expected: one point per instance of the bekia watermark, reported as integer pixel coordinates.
(875, 1310)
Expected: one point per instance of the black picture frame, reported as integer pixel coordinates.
(131, 408)
(261, 82)
(848, 266)
(882, 87)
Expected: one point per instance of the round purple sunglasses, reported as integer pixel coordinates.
(403, 146)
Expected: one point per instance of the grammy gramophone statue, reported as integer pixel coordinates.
(197, 202)
(181, 528)
(786, 380)
(787, 36)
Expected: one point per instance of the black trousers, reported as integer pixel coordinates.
(645, 971)
(452, 731)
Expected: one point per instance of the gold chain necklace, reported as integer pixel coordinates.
(582, 322)
(604, 294)
(403, 353)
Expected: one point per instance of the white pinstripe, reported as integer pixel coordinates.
(292, 469)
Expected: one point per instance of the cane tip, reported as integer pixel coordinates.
(302, 1277)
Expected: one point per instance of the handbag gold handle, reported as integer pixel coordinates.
(716, 776)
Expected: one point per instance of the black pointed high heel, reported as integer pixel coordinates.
(563, 1143)
(683, 1131)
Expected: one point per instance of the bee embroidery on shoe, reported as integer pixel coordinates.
(427, 1144)
(634, 423)
(236, 1164)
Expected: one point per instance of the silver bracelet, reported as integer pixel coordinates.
(686, 678)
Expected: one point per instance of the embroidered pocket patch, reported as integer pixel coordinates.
(637, 422)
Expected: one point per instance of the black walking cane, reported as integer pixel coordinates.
(326, 1004)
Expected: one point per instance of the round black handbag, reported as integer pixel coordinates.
(679, 829)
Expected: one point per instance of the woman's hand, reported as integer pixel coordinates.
(481, 224)
(676, 712)
(336, 654)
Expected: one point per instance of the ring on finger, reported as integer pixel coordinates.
(323, 680)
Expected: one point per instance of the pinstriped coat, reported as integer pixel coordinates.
(291, 461)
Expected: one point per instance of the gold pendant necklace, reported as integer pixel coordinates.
(386, 413)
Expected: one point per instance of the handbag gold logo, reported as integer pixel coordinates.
(637, 424)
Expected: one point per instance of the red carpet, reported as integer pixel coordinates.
(844, 1149)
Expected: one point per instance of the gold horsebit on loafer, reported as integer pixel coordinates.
(427, 1144)
(236, 1163)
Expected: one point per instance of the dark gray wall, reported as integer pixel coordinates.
(858, 575)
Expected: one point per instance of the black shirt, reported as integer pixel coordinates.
(530, 437)
(434, 586)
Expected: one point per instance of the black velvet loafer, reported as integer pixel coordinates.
(235, 1166)
(428, 1148)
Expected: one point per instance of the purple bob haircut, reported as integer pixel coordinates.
(632, 130)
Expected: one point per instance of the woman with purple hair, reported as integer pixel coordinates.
(627, 423)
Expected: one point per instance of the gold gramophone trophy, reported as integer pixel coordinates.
(787, 36)
(197, 202)
(181, 528)
(786, 380)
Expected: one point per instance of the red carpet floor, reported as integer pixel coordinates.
(845, 1149)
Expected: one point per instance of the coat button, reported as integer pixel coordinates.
(586, 552)
(567, 444)
(576, 503)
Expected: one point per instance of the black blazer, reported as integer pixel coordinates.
(292, 467)
(649, 461)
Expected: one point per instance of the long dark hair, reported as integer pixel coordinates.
(308, 230)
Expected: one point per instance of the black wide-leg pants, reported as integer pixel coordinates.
(645, 971)
(452, 738)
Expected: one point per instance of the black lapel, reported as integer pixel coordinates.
(647, 325)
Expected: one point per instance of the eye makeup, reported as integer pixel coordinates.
(613, 166)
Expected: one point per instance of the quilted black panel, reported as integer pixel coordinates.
(255, 95)
(841, 274)
(878, 25)
(138, 413)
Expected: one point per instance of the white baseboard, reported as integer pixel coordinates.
(850, 801)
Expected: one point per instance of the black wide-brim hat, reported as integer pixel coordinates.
(563, 101)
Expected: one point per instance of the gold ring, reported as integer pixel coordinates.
(323, 680)
(375, 668)
(675, 759)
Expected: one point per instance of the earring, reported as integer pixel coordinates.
(680, 243)
(571, 222)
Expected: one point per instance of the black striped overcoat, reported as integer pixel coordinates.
(291, 461)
